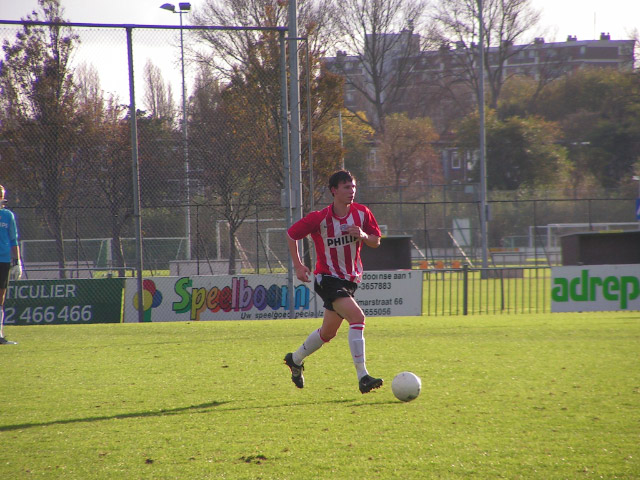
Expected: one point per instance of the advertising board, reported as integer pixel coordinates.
(593, 288)
(259, 297)
(73, 301)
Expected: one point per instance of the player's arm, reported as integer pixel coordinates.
(372, 231)
(16, 264)
(372, 241)
(302, 271)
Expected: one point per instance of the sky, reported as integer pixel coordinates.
(584, 18)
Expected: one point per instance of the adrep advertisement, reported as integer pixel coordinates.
(594, 288)
(259, 297)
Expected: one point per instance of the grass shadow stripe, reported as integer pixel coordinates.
(120, 416)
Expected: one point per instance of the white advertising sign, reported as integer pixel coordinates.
(595, 288)
(259, 297)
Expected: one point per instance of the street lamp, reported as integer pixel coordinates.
(183, 8)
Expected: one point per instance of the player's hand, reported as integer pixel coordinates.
(356, 231)
(302, 273)
(15, 272)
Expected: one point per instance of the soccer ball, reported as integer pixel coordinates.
(406, 386)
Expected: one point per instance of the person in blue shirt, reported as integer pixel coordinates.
(10, 264)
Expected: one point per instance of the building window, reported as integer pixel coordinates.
(374, 162)
(455, 160)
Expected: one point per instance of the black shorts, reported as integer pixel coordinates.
(4, 274)
(330, 288)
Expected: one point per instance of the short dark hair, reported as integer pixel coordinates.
(341, 176)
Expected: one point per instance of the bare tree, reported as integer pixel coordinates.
(228, 50)
(158, 97)
(377, 61)
(90, 95)
(105, 150)
(234, 135)
(505, 24)
(253, 56)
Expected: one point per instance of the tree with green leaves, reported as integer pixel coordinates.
(357, 141)
(39, 115)
(521, 152)
(406, 152)
(598, 111)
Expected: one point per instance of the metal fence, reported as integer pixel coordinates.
(439, 236)
(210, 170)
(98, 154)
(468, 291)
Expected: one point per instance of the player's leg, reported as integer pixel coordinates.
(2, 295)
(315, 340)
(3, 341)
(348, 308)
(4, 283)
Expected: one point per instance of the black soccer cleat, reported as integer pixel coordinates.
(296, 370)
(4, 341)
(368, 383)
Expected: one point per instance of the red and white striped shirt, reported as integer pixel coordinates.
(338, 253)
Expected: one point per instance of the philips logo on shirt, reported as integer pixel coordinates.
(4, 225)
(341, 241)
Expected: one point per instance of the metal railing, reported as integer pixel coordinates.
(468, 291)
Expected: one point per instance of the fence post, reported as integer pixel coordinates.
(465, 287)
(137, 216)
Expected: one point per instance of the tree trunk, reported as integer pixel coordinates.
(232, 250)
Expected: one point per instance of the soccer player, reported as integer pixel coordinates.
(9, 257)
(338, 233)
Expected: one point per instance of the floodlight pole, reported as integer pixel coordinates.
(484, 214)
(294, 106)
(637, 179)
(135, 167)
(183, 8)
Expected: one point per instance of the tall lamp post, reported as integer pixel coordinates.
(637, 179)
(484, 208)
(183, 8)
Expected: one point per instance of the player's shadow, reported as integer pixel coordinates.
(120, 416)
(201, 408)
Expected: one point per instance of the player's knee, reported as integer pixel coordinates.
(327, 334)
(357, 318)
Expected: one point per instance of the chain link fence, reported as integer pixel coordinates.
(210, 169)
(209, 154)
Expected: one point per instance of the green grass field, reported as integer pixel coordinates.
(504, 396)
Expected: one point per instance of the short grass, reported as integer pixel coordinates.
(506, 396)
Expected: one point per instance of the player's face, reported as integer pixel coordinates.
(345, 192)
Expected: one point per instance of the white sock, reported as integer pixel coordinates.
(1, 321)
(356, 344)
(311, 344)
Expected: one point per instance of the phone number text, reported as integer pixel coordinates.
(50, 314)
